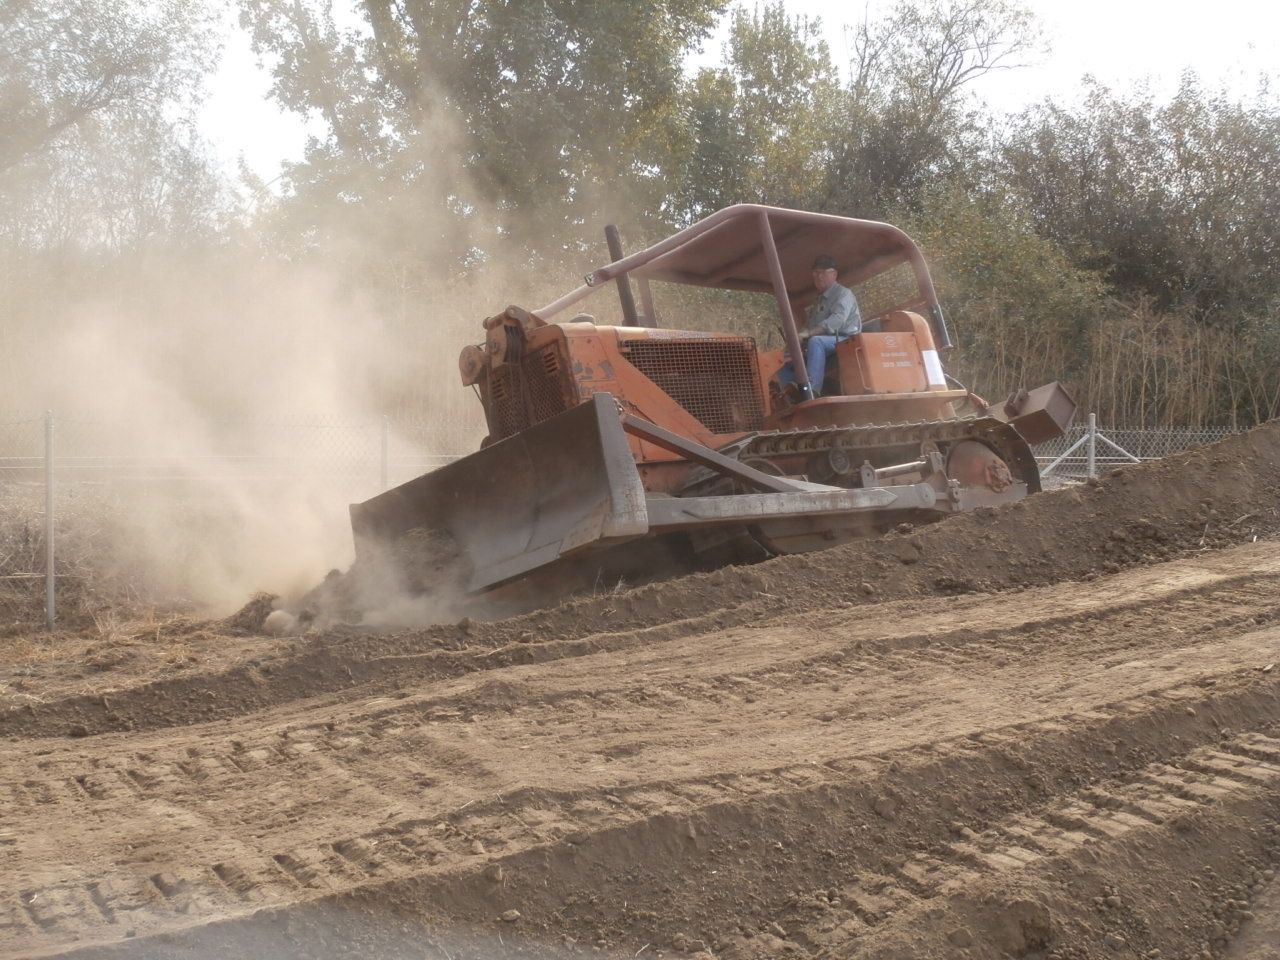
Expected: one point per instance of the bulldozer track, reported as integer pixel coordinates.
(821, 439)
(845, 715)
(1127, 810)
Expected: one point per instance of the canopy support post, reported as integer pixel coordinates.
(785, 315)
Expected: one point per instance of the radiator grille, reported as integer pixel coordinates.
(523, 394)
(715, 379)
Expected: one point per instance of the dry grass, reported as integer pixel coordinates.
(96, 592)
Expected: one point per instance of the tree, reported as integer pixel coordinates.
(99, 164)
(907, 116)
(63, 62)
(1173, 201)
(499, 127)
(1019, 307)
(758, 128)
(96, 148)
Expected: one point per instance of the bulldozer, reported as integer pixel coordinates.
(634, 450)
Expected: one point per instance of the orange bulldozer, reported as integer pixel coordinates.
(637, 450)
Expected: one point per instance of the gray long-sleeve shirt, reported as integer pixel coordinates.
(834, 313)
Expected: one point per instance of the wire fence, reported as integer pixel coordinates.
(64, 479)
(56, 473)
(1087, 450)
(371, 454)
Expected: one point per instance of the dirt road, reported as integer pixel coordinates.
(1051, 731)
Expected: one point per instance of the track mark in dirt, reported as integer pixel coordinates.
(870, 896)
(703, 782)
(499, 836)
(846, 653)
(1245, 580)
(1153, 797)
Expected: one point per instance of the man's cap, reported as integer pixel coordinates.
(824, 262)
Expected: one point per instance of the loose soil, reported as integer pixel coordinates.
(1047, 731)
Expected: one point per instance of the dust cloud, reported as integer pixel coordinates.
(218, 419)
(219, 401)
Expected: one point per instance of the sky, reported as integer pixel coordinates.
(1229, 43)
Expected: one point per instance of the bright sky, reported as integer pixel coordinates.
(1121, 42)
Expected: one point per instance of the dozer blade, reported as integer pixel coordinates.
(521, 503)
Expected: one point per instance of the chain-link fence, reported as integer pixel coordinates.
(356, 452)
(1088, 449)
(195, 499)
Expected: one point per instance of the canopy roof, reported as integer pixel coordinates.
(728, 250)
(730, 253)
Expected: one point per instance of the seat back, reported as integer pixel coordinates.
(901, 359)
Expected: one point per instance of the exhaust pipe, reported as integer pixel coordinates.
(630, 317)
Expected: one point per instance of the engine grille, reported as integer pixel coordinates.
(715, 379)
(522, 394)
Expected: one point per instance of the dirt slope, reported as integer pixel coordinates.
(1182, 506)
(721, 766)
(789, 757)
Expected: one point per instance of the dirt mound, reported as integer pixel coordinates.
(1186, 505)
(430, 560)
(250, 618)
(931, 745)
(416, 579)
(1199, 500)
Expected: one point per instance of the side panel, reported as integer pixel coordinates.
(881, 363)
(704, 387)
(867, 409)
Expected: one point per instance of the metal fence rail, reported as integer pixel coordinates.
(103, 451)
(43, 456)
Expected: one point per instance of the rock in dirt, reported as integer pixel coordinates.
(1022, 926)
(886, 807)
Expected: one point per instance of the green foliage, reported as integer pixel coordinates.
(518, 127)
(1176, 201)
(907, 115)
(761, 127)
(1018, 306)
(1121, 241)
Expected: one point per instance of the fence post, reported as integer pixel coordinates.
(1092, 449)
(50, 581)
(386, 448)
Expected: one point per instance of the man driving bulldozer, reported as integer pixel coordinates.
(833, 316)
